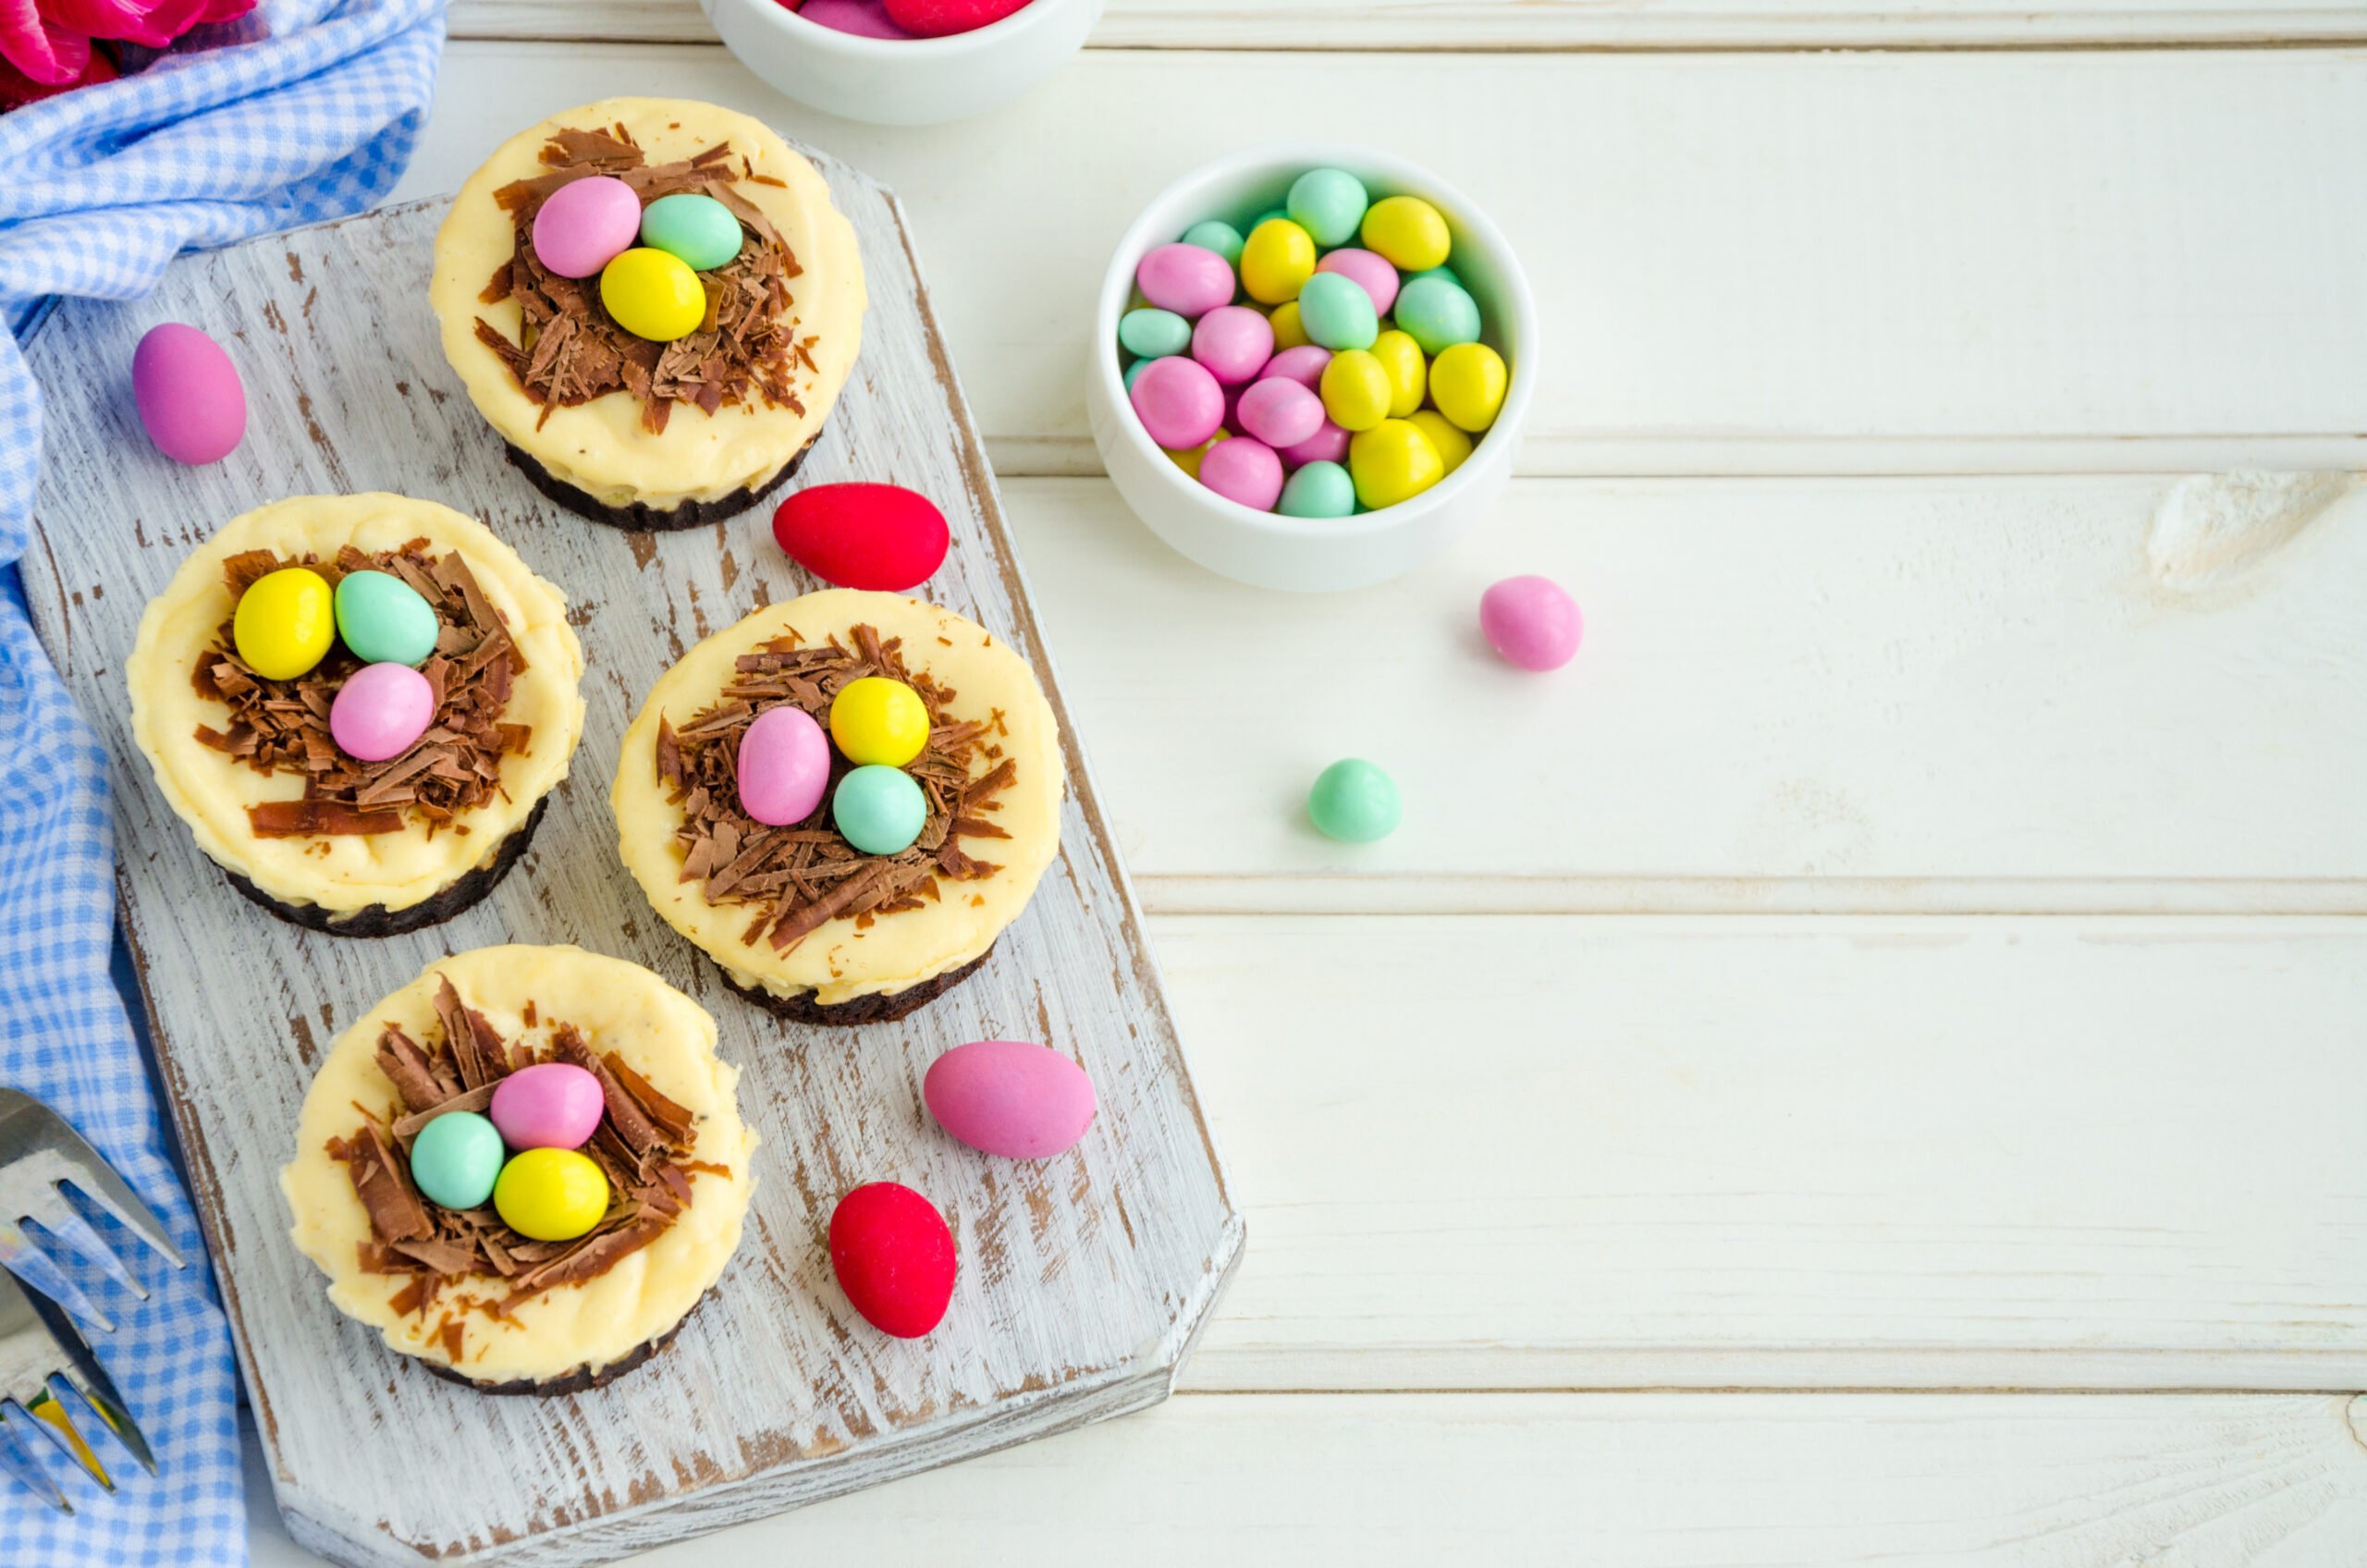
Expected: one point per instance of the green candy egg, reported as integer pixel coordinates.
(383, 619)
(1318, 489)
(1154, 334)
(1445, 272)
(1330, 204)
(456, 1160)
(1437, 314)
(1335, 312)
(698, 229)
(879, 809)
(1353, 801)
(1132, 371)
(1215, 234)
(1268, 216)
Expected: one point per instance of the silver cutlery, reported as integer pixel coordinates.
(39, 1151)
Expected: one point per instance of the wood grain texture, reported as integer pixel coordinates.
(1745, 263)
(1084, 1277)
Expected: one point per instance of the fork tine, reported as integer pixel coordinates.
(98, 1391)
(30, 1124)
(57, 1216)
(51, 1416)
(98, 1182)
(26, 1468)
(29, 1263)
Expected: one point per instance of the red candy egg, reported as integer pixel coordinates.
(894, 1258)
(938, 19)
(878, 536)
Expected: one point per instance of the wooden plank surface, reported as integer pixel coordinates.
(1753, 264)
(1086, 1277)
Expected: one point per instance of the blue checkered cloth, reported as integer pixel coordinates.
(308, 111)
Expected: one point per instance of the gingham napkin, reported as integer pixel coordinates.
(308, 112)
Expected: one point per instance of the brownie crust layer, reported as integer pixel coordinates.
(582, 1380)
(377, 920)
(640, 517)
(879, 1007)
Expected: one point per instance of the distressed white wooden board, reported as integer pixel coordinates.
(1084, 1277)
(1641, 1480)
(1774, 1152)
(1752, 263)
(1443, 25)
(1977, 694)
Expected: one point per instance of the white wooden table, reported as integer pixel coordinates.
(1870, 1064)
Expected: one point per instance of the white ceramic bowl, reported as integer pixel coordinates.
(897, 81)
(1310, 554)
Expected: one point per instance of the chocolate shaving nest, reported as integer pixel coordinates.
(283, 726)
(570, 350)
(643, 1145)
(800, 878)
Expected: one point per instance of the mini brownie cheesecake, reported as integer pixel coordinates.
(659, 348)
(842, 801)
(524, 1168)
(358, 704)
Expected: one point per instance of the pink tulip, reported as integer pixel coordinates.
(49, 40)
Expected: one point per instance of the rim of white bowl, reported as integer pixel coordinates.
(1518, 331)
(859, 44)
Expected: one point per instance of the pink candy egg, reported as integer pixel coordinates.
(1529, 621)
(1279, 412)
(1303, 364)
(380, 711)
(585, 225)
(1244, 469)
(864, 18)
(942, 18)
(1178, 402)
(1191, 280)
(1234, 342)
(1012, 1098)
(552, 1105)
(188, 393)
(784, 765)
(1328, 444)
(1368, 272)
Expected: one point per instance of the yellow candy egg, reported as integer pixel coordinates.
(652, 294)
(876, 720)
(1288, 332)
(550, 1195)
(1355, 391)
(1407, 233)
(1189, 459)
(1452, 445)
(1393, 461)
(284, 623)
(1467, 382)
(1276, 261)
(1408, 375)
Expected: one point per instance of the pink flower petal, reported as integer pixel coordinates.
(154, 23)
(49, 55)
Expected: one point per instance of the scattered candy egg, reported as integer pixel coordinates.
(1355, 391)
(1244, 469)
(1191, 280)
(1401, 356)
(1179, 403)
(1452, 445)
(881, 537)
(456, 1160)
(881, 722)
(1233, 342)
(1215, 234)
(863, 18)
(380, 711)
(1375, 277)
(383, 619)
(1153, 333)
(1010, 1098)
(1318, 489)
(285, 622)
(1303, 364)
(1290, 332)
(552, 1105)
(1336, 312)
(652, 295)
(893, 1256)
(1437, 314)
(1355, 802)
(584, 224)
(1393, 461)
(1406, 232)
(189, 395)
(1531, 621)
(1328, 204)
(782, 767)
(1276, 261)
(1280, 411)
(1189, 461)
(879, 809)
(696, 229)
(1328, 444)
(550, 1195)
(942, 18)
(1467, 383)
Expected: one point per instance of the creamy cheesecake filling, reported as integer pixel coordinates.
(211, 790)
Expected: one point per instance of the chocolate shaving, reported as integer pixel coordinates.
(478, 1101)
(397, 1213)
(407, 1066)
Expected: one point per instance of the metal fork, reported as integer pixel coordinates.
(39, 1151)
(39, 1350)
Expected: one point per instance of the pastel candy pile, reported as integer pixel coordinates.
(524, 1155)
(1330, 340)
(879, 725)
(286, 620)
(647, 259)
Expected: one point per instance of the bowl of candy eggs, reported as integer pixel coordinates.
(1310, 366)
(903, 62)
